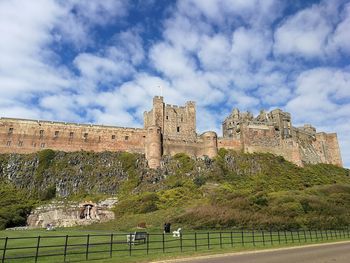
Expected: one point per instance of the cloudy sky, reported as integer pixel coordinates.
(102, 62)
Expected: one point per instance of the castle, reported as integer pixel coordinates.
(170, 129)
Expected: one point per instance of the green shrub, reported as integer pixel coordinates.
(137, 204)
(199, 180)
(45, 158)
(14, 206)
(48, 194)
(128, 160)
(186, 163)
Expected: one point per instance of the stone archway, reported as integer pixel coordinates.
(88, 211)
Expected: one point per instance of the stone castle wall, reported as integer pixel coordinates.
(170, 129)
(26, 136)
(273, 132)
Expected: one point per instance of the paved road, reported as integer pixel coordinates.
(326, 253)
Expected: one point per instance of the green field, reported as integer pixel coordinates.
(77, 246)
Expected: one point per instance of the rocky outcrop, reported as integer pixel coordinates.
(60, 214)
(72, 173)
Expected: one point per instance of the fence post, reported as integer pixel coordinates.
(130, 242)
(147, 245)
(111, 246)
(195, 241)
(321, 234)
(263, 237)
(231, 239)
(285, 236)
(347, 230)
(271, 237)
(163, 242)
(37, 249)
(298, 236)
(310, 234)
(253, 237)
(304, 235)
(331, 233)
(279, 236)
(87, 246)
(4, 252)
(181, 241)
(291, 233)
(220, 239)
(208, 241)
(65, 249)
(326, 234)
(316, 235)
(242, 238)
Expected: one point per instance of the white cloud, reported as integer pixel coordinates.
(171, 61)
(341, 35)
(77, 18)
(214, 52)
(303, 34)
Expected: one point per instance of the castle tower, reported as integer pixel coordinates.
(153, 146)
(283, 122)
(177, 122)
(210, 144)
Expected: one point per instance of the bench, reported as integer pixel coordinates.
(136, 238)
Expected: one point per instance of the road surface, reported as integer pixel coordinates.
(323, 253)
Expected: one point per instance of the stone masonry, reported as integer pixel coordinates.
(170, 129)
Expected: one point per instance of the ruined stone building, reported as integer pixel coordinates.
(170, 129)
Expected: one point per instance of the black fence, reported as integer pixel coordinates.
(85, 247)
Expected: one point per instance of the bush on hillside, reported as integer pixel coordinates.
(14, 206)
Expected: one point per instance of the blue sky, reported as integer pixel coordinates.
(103, 61)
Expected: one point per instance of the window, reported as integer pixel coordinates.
(71, 134)
(8, 143)
(167, 117)
(42, 145)
(56, 134)
(85, 136)
(126, 138)
(10, 131)
(113, 137)
(182, 119)
(41, 133)
(20, 143)
(178, 129)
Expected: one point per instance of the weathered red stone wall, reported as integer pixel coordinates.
(327, 147)
(26, 136)
(230, 144)
(334, 149)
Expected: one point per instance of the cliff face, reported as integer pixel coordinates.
(61, 214)
(71, 173)
(48, 173)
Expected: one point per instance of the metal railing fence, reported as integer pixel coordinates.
(84, 247)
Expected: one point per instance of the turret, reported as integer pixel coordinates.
(153, 146)
(210, 144)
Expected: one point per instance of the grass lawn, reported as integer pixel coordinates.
(102, 245)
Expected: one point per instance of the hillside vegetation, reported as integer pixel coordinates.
(232, 190)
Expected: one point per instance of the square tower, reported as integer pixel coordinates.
(178, 122)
